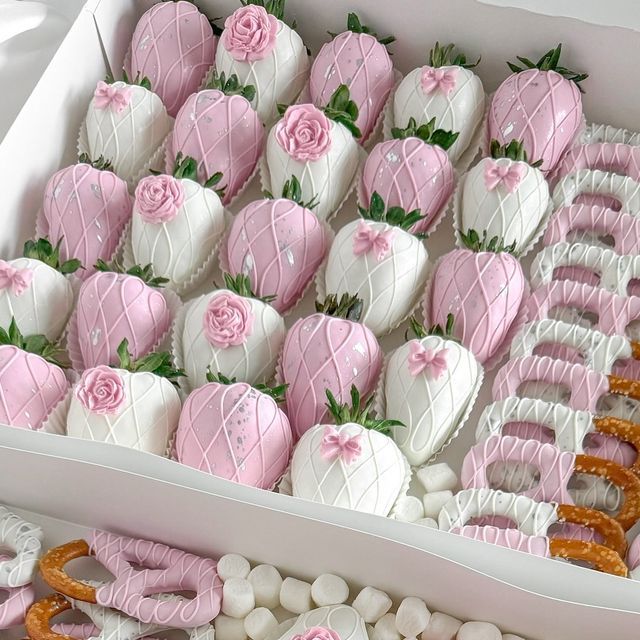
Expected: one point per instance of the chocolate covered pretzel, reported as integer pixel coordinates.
(16, 603)
(25, 541)
(621, 192)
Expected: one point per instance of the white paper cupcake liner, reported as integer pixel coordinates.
(56, 421)
(177, 351)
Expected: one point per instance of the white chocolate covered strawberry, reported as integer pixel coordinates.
(353, 464)
(378, 259)
(262, 50)
(445, 89)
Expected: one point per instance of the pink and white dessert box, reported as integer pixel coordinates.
(81, 483)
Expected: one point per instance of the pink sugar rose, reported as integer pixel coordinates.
(317, 633)
(228, 320)
(159, 198)
(101, 390)
(250, 33)
(304, 132)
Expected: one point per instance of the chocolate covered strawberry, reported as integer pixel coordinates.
(483, 286)
(126, 124)
(327, 350)
(219, 128)
(379, 260)
(174, 46)
(114, 305)
(32, 382)
(445, 89)
(261, 49)
(540, 105)
(230, 331)
(318, 147)
(35, 291)
(359, 60)
(412, 171)
(504, 195)
(135, 405)
(235, 431)
(354, 464)
(279, 245)
(86, 209)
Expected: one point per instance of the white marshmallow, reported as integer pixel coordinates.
(510, 636)
(437, 477)
(229, 628)
(233, 566)
(372, 604)
(260, 623)
(386, 629)
(409, 509)
(295, 595)
(433, 503)
(237, 598)
(428, 522)
(282, 615)
(479, 631)
(412, 617)
(328, 589)
(266, 582)
(441, 627)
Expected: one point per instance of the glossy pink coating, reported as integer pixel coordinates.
(623, 228)
(571, 531)
(165, 570)
(483, 291)
(279, 245)
(541, 109)
(223, 134)
(510, 538)
(585, 386)
(611, 313)
(319, 353)
(30, 388)
(364, 65)
(174, 46)
(14, 603)
(88, 209)
(633, 554)
(234, 432)
(84, 631)
(554, 466)
(409, 174)
(115, 306)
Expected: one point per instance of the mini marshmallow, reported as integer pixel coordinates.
(295, 595)
(386, 629)
(282, 615)
(510, 636)
(372, 604)
(427, 522)
(229, 628)
(441, 627)
(233, 566)
(437, 477)
(479, 631)
(328, 589)
(266, 582)
(412, 617)
(433, 503)
(237, 598)
(409, 509)
(260, 623)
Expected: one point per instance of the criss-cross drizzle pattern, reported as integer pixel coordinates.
(25, 540)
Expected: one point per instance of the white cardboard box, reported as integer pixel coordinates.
(45, 133)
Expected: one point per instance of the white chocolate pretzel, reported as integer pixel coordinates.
(608, 133)
(25, 540)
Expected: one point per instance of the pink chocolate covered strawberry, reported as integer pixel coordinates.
(174, 46)
(483, 286)
(113, 306)
(279, 245)
(327, 350)
(235, 431)
(412, 171)
(540, 105)
(32, 381)
(359, 60)
(86, 209)
(219, 128)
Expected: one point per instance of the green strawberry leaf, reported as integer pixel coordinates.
(41, 249)
(395, 216)
(442, 56)
(343, 110)
(348, 307)
(426, 132)
(475, 243)
(39, 345)
(230, 86)
(514, 150)
(241, 284)
(160, 364)
(144, 273)
(102, 164)
(355, 26)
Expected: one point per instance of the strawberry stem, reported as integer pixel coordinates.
(36, 344)
(276, 393)
(514, 151)
(42, 250)
(230, 86)
(293, 191)
(241, 285)
(144, 273)
(186, 168)
(348, 307)
(355, 26)
(395, 216)
(420, 331)
(343, 110)
(474, 242)
(427, 133)
(442, 56)
(160, 364)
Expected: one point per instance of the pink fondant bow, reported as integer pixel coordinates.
(508, 175)
(433, 362)
(108, 95)
(438, 79)
(18, 280)
(339, 445)
(366, 239)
